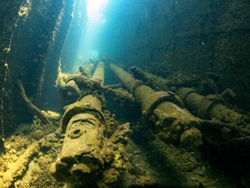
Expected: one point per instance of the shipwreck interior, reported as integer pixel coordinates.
(124, 93)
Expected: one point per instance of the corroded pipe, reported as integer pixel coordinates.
(187, 164)
(99, 73)
(172, 123)
(67, 85)
(87, 154)
(83, 124)
(208, 107)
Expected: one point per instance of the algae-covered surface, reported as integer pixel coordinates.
(29, 153)
(34, 147)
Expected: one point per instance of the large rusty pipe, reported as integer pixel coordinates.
(83, 126)
(99, 73)
(166, 151)
(208, 107)
(86, 153)
(172, 123)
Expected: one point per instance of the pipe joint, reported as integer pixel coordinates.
(207, 104)
(156, 98)
(77, 108)
(201, 105)
(135, 85)
(184, 92)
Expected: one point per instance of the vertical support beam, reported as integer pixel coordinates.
(3, 71)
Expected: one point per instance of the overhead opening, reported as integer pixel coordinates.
(95, 21)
